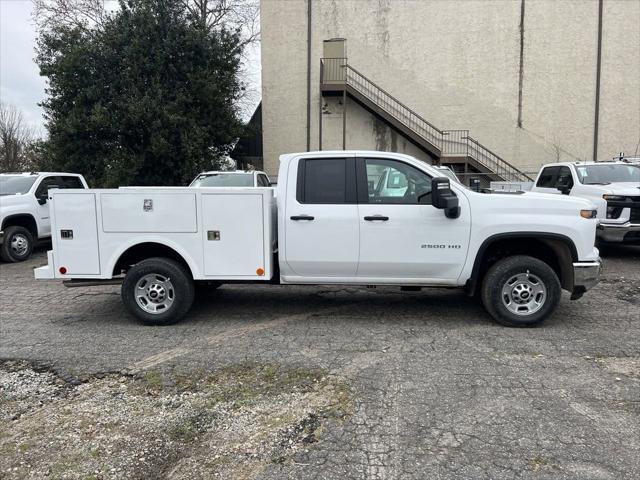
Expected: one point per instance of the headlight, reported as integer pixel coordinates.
(588, 213)
(614, 198)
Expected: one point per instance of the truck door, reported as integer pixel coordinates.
(43, 214)
(321, 218)
(401, 239)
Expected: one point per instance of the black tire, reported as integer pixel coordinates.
(177, 286)
(9, 251)
(532, 272)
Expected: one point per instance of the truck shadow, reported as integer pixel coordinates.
(609, 250)
(337, 304)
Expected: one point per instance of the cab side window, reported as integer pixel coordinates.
(70, 182)
(326, 181)
(564, 178)
(46, 184)
(263, 181)
(395, 182)
(548, 177)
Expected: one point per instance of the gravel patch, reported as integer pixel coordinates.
(229, 423)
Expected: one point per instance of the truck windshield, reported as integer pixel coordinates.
(223, 180)
(604, 174)
(15, 184)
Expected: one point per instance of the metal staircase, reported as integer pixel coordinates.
(448, 146)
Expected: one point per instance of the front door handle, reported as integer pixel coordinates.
(302, 217)
(376, 218)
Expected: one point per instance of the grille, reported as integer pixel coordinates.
(635, 215)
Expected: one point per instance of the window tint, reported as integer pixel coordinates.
(71, 182)
(263, 181)
(564, 177)
(323, 180)
(47, 183)
(391, 181)
(548, 177)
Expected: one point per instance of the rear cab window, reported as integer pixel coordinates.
(326, 181)
(70, 182)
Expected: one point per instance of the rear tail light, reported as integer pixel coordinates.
(62, 270)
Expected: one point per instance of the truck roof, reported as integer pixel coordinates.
(217, 172)
(36, 174)
(601, 162)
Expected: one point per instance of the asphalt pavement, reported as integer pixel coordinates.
(440, 390)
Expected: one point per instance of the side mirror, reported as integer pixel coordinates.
(564, 186)
(42, 197)
(443, 197)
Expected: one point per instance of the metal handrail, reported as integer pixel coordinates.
(445, 140)
(350, 68)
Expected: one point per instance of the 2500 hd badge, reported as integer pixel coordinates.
(435, 245)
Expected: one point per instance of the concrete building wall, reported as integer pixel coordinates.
(457, 64)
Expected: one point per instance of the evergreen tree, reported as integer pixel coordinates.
(146, 97)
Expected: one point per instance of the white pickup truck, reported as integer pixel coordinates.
(614, 187)
(234, 178)
(24, 209)
(332, 224)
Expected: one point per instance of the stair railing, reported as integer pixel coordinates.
(336, 71)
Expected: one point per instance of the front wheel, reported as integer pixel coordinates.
(17, 245)
(520, 291)
(158, 291)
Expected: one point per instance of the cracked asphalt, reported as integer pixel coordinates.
(440, 391)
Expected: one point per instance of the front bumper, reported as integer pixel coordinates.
(586, 275)
(619, 233)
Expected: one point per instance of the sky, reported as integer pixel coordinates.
(22, 86)
(20, 81)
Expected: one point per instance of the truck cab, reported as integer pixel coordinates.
(24, 209)
(614, 187)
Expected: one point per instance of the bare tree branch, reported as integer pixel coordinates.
(16, 139)
(242, 16)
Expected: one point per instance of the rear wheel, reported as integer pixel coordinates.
(17, 245)
(520, 291)
(158, 291)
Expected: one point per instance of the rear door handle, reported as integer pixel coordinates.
(376, 218)
(302, 217)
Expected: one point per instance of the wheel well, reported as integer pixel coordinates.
(142, 251)
(23, 220)
(555, 252)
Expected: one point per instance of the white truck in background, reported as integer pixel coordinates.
(328, 222)
(24, 209)
(614, 187)
(234, 178)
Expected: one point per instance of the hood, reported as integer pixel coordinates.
(620, 188)
(553, 199)
(7, 201)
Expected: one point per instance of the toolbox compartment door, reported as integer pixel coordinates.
(233, 235)
(149, 212)
(76, 233)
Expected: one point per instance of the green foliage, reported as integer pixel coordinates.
(145, 98)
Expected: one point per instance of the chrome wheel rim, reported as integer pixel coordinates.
(524, 294)
(19, 244)
(155, 293)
